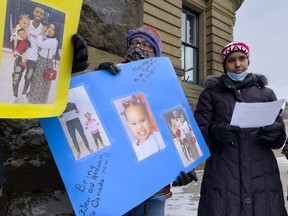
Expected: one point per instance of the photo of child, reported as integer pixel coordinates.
(19, 39)
(92, 125)
(33, 36)
(183, 135)
(140, 125)
(83, 129)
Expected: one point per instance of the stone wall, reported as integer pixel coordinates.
(29, 164)
(28, 160)
(104, 24)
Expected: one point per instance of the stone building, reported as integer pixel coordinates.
(193, 33)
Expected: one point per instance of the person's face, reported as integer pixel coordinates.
(140, 48)
(24, 23)
(182, 118)
(38, 14)
(237, 63)
(175, 114)
(141, 43)
(88, 116)
(138, 121)
(51, 30)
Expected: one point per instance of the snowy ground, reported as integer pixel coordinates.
(183, 202)
(185, 199)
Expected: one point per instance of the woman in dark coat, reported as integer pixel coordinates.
(241, 177)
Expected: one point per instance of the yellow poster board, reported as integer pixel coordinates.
(36, 36)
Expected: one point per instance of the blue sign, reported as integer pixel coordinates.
(124, 137)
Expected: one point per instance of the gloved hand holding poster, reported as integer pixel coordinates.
(124, 137)
(36, 56)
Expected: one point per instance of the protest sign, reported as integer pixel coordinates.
(36, 42)
(109, 164)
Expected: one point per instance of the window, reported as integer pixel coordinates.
(190, 45)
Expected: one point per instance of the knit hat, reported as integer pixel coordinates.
(148, 33)
(232, 47)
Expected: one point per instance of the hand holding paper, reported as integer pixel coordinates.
(226, 133)
(249, 115)
(270, 133)
(185, 178)
(109, 66)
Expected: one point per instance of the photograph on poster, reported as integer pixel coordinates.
(140, 125)
(31, 52)
(183, 135)
(120, 110)
(81, 124)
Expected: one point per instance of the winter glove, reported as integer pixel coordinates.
(109, 66)
(271, 132)
(185, 178)
(80, 55)
(225, 133)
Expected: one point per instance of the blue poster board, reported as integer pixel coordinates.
(111, 119)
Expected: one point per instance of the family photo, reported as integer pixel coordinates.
(31, 53)
(81, 124)
(183, 135)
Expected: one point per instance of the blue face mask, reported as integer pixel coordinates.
(237, 77)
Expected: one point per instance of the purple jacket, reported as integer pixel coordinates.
(241, 179)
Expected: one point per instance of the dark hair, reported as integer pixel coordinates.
(134, 101)
(87, 113)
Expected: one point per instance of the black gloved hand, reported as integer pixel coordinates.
(80, 55)
(109, 66)
(271, 132)
(225, 133)
(185, 178)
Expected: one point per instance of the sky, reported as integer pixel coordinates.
(262, 25)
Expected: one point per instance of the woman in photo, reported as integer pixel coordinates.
(40, 88)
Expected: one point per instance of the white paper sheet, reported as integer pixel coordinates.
(250, 115)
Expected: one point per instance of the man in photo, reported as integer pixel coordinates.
(73, 123)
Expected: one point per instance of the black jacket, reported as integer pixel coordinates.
(241, 179)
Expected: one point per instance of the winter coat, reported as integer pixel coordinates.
(240, 179)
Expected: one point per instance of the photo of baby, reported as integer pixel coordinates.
(140, 125)
(32, 47)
